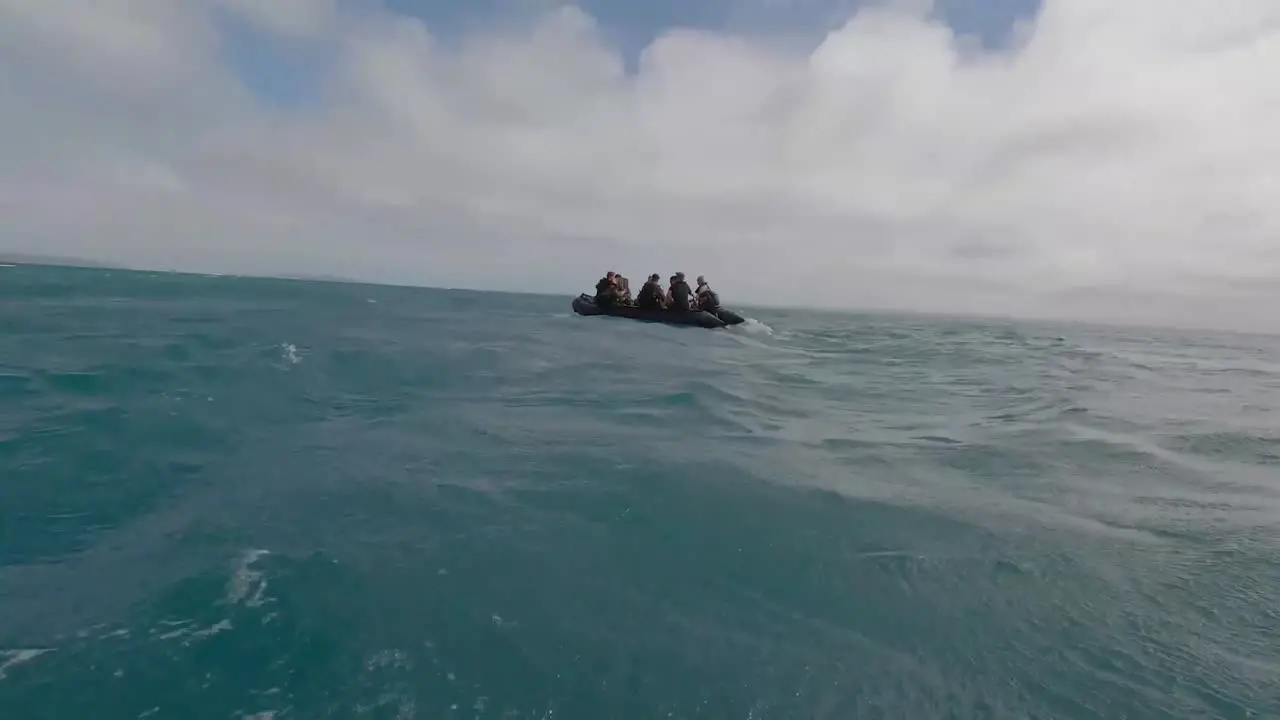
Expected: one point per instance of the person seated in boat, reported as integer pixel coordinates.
(624, 289)
(607, 290)
(707, 298)
(651, 295)
(681, 294)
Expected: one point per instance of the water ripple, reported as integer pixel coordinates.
(485, 506)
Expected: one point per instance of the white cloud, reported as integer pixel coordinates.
(1122, 160)
(295, 18)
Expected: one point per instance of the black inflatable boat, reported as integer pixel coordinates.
(586, 305)
(727, 316)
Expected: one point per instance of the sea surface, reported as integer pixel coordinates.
(242, 498)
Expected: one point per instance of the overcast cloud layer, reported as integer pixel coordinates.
(1120, 160)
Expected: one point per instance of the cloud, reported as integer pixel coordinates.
(1125, 151)
(295, 18)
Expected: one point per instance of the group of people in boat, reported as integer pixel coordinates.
(614, 289)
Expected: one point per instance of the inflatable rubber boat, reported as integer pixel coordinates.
(585, 304)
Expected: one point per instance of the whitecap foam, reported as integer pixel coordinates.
(214, 629)
(189, 633)
(754, 327)
(247, 585)
(289, 353)
(14, 658)
(389, 658)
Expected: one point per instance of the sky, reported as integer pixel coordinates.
(1082, 159)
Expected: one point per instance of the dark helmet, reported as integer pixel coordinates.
(679, 276)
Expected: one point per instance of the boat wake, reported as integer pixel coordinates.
(753, 326)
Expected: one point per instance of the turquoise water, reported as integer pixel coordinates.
(242, 498)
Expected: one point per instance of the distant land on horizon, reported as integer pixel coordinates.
(318, 278)
(16, 258)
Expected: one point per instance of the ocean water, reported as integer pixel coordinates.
(246, 498)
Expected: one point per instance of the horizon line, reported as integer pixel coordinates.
(50, 261)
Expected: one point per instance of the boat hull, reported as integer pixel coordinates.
(585, 305)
